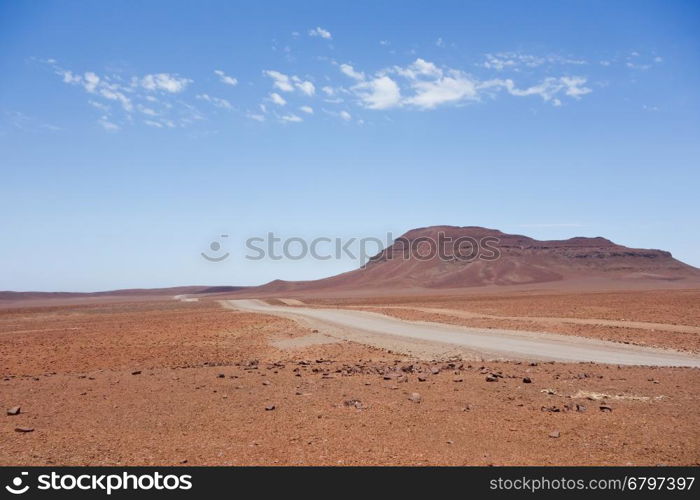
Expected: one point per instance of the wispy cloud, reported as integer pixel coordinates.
(277, 99)
(320, 32)
(216, 101)
(292, 118)
(349, 91)
(224, 78)
(164, 82)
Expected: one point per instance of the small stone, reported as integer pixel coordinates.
(137, 372)
(14, 410)
(270, 407)
(554, 434)
(415, 397)
(606, 408)
(314, 331)
(422, 379)
(266, 382)
(458, 379)
(221, 375)
(435, 370)
(527, 380)
(580, 408)
(449, 441)
(24, 429)
(491, 378)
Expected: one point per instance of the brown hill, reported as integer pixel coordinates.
(429, 258)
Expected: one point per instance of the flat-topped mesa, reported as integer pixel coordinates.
(426, 258)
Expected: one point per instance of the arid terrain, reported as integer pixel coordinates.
(159, 380)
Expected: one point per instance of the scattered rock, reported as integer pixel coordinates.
(137, 372)
(266, 382)
(270, 407)
(354, 403)
(580, 408)
(415, 397)
(527, 380)
(554, 434)
(551, 409)
(24, 429)
(221, 375)
(14, 410)
(606, 408)
(435, 370)
(458, 379)
(491, 378)
(422, 379)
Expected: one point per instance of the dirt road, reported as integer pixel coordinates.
(387, 332)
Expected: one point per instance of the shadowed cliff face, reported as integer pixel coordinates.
(454, 257)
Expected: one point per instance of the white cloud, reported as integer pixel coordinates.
(152, 123)
(147, 111)
(320, 32)
(114, 95)
(285, 83)
(91, 81)
(419, 68)
(547, 89)
(256, 117)
(516, 60)
(108, 125)
(165, 82)
(453, 89)
(632, 65)
(216, 101)
(379, 93)
(99, 105)
(277, 99)
(280, 80)
(439, 42)
(306, 87)
(345, 115)
(307, 109)
(69, 77)
(224, 78)
(574, 86)
(350, 71)
(291, 118)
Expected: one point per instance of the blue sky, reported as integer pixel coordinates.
(132, 134)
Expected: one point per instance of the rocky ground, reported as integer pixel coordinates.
(192, 383)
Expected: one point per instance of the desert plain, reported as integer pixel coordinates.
(192, 379)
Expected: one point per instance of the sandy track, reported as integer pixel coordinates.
(377, 329)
